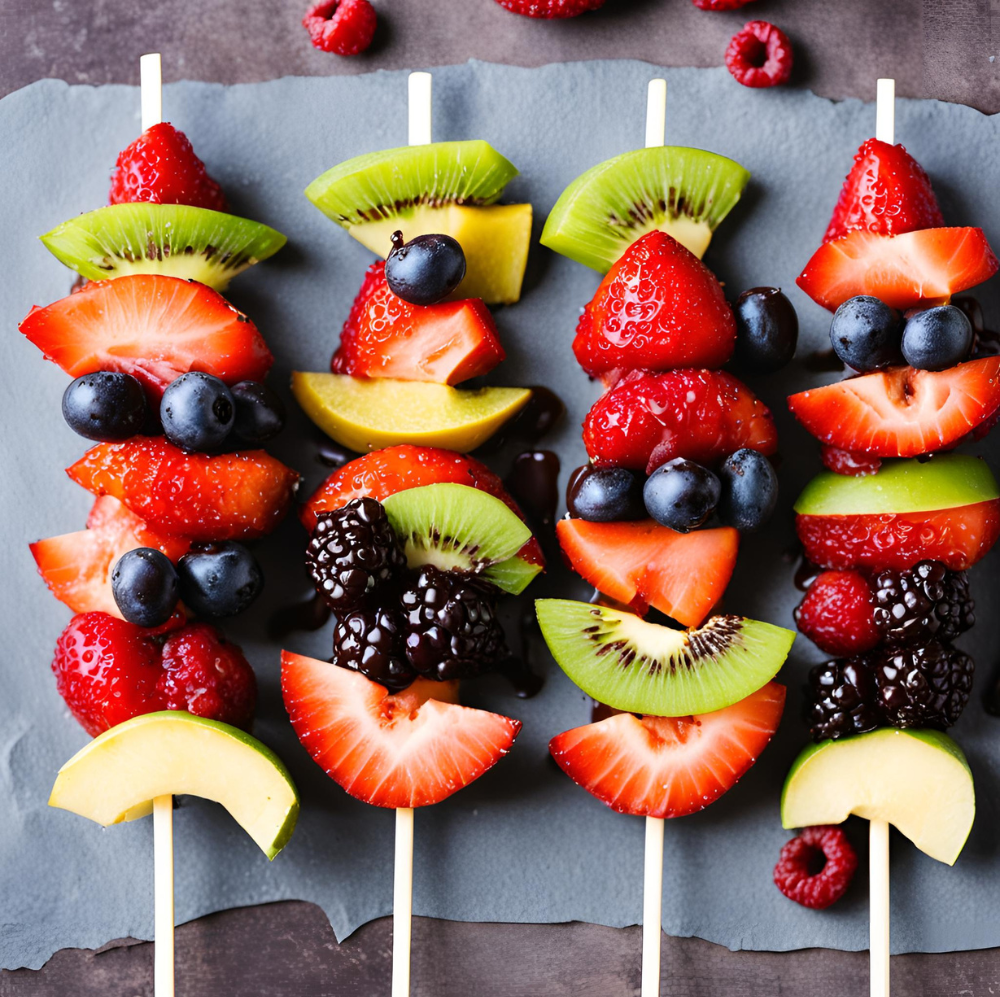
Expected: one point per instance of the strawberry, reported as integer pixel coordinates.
(160, 166)
(385, 336)
(856, 465)
(643, 564)
(669, 766)
(109, 671)
(395, 469)
(902, 412)
(77, 566)
(913, 270)
(229, 496)
(887, 192)
(151, 326)
(703, 415)
(659, 307)
(958, 537)
(838, 613)
(410, 749)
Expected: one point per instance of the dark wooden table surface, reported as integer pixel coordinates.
(934, 48)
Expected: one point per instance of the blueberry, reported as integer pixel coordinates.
(219, 579)
(681, 494)
(937, 338)
(604, 494)
(106, 406)
(260, 413)
(144, 584)
(197, 411)
(425, 269)
(866, 333)
(767, 330)
(749, 490)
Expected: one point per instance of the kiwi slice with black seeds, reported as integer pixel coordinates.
(683, 192)
(176, 240)
(619, 659)
(459, 528)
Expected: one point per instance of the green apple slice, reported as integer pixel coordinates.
(917, 780)
(117, 776)
(901, 486)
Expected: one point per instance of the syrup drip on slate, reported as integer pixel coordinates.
(544, 411)
(987, 342)
(333, 455)
(517, 669)
(309, 615)
(534, 483)
(601, 711)
(805, 574)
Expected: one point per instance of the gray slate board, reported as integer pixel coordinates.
(523, 844)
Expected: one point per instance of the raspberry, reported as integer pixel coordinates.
(816, 868)
(451, 627)
(160, 166)
(353, 552)
(549, 9)
(927, 602)
(841, 699)
(922, 687)
(207, 676)
(344, 27)
(838, 614)
(720, 4)
(370, 641)
(847, 462)
(760, 55)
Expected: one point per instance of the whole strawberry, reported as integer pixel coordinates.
(343, 27)
(549, 9)
(160, 166)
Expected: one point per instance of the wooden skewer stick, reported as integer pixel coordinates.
(878, 907)
(151, 90)
(420, 108)
(652, 885)
(885, 111)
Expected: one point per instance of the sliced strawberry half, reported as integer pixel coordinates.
(151, 326)
(917, 269)
(902, 412)
(406, 750)
(659, 307)
(669, 766)
(643, 564)
(77, 566)
(230, 496)
(703, 415)
(395, 469)
(958, 537)
(385, 336)
(887, 192)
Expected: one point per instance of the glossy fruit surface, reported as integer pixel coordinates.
(344, 27)
(403, 750)
(669, 766)
(937, 338)
(902, 412)
(659, 307)
(700, 415)
(605, 494)
(426, 269)
(681, 494)
(219, 579)
(259, 413)
(371, 641)
(865, 334)
(838, 613)
(153, 327)
(107, 406)
(144, 586)
(767, 330)
(759, 55)
(913, 270)
(749, 490)
(197, 412)
(229, 496)
(643, 564)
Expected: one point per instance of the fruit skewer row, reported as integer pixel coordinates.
(891, 537)
(160, 692)
(691, 709)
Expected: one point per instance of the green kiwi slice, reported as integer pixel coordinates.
(619, 659)
(459, 528)
(394, 182)
(683, 192)
(176, 240)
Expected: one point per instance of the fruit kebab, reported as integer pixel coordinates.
(888, 532)
(410, 545)
(688, 706)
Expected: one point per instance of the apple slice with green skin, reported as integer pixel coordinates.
(619, 659)
(917, 780)
(117, 776)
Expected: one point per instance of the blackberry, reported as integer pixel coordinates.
(922, 686)
(371, 641)
(451, 627)
(928, 602)
(841, 699)
(353, 551)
